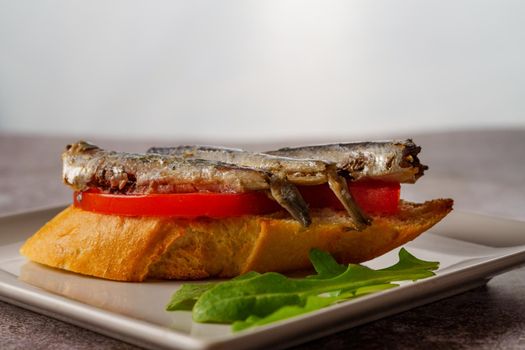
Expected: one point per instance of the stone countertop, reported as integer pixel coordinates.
(483, 171)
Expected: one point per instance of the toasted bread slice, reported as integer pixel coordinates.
(136, 248)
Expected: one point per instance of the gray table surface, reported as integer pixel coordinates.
(484, 171)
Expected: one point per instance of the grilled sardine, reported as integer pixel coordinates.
(87, 166)
(296, 171)
(387, 160)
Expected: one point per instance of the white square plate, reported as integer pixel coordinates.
(470, 248)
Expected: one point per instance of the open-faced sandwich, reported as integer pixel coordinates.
(191, 212)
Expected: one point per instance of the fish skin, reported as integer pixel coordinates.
(297, 171)
(285, 194)
(385, 160)
(86, 166)
(339, 187)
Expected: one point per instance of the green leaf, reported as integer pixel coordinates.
(246, 276)
(261, 295)
(184, 298)
(237, 299)
(325, 265)
(371, 289)
(407, 261)
(313, 303)
(255, 299)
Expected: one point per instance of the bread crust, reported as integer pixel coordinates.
(135, 248)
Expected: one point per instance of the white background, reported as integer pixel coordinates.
(260, 70)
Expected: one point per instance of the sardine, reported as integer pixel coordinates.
(386, 160)
(297, 171)
(86, 166)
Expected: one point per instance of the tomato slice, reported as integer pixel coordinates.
(187, 205)
(374, 197)
(377, 197)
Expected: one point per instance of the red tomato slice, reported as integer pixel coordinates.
(373, 197)
(187, 205)
(376, 197)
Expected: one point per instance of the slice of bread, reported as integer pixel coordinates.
(136, 248)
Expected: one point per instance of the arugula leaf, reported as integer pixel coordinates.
(187, 295)
(325, 265)
(313, 303)
(256, 299)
